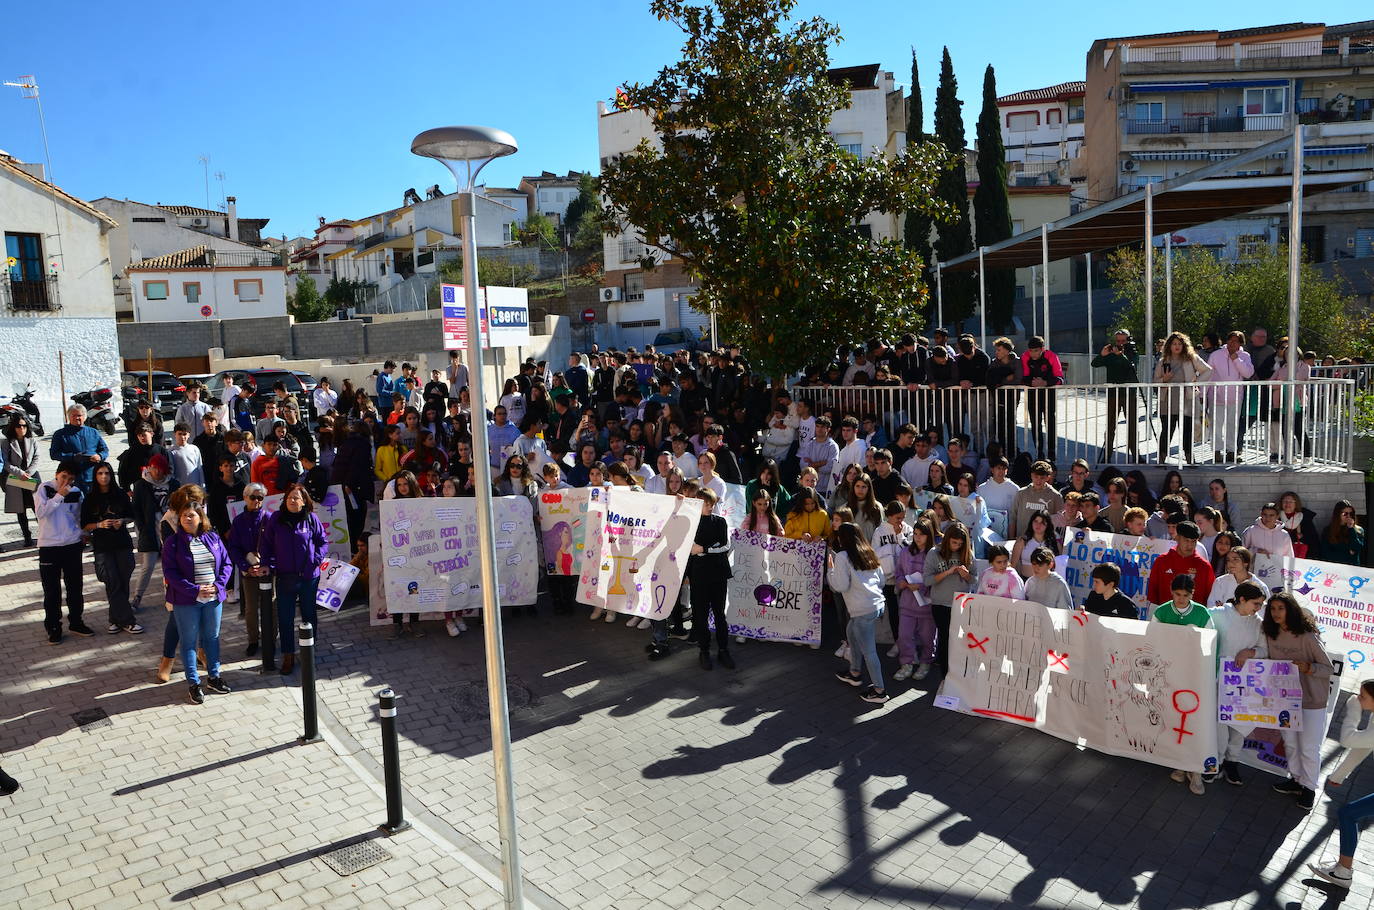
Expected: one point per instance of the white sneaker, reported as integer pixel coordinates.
(739, 639)
(815, 646)
(232, 597)
(609, 617)
(1333, 872)
(452, 628)
(1178, 776)
(903, 672)
(1195, 783)
(641, 622)
(922, 671)
(893, 651)
(842, 650)
(596, 614)
(462, 626)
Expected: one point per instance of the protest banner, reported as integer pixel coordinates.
(642, 543)
(1133, 555)
(1121, 686)
(335, 579)
(732, 506)
(429, 548)
(330, 511)
(563, 525)
(775, 587)
(1264, 747)
(1342, 599)
(1263, 694)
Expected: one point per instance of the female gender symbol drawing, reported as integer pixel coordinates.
(1188, 696)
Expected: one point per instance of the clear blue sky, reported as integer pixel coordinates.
(309, 110)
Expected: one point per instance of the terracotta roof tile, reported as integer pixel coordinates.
(185, 210)
(1049, 93)
(181, 259)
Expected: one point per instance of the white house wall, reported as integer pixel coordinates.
(216, 292)
(83, 330)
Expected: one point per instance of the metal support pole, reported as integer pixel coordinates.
(513, 882)
(1092, 344)
(1045, 271)
(305, 635)
(1169, 283)
(391, 763)
(1294, 257)
(1149, 351)
(1035, 299)
(982, 300)
(939, 296)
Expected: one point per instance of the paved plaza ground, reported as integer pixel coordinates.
(639, 785)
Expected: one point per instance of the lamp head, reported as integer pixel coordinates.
(464, 150)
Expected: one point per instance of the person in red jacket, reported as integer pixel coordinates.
(1183, 559)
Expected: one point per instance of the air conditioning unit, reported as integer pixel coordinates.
(200, 222)
(610, 295)
(1129, 165)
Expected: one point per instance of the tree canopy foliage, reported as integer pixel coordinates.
(748, 188)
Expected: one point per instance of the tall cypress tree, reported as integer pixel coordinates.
(954, 237)
(916, 231)
(991, 206)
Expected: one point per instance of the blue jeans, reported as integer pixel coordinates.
(863, 646)
(294, 591)
(198, 624)
(1348, 820)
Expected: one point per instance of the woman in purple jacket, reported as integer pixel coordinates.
(243, 550)
(292, 545)
(196, 567)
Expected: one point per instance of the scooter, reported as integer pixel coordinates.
(98, 412)
(21, 402)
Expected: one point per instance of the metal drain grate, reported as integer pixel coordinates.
(355, 857)
(92, 719)
(469, 699)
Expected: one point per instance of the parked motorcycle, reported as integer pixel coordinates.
(98, 411)
(21, 402)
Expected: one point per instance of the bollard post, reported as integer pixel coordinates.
(306, 641)
(391, 762)
(267, 624)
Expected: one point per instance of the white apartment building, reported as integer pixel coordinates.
(1042, 131)
(550, 193)
(56, 293)
(643, 302)
(208, 283)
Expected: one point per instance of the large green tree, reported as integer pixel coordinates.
(918, 224)
(954, 237)
(584, 206)
(748, 188)
(991, 205)
(306, 304)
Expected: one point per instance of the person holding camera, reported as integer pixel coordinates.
(1118, 357)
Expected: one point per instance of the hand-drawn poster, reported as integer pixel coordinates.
(733, 508)
(644, 541)
(1133, 555)
(775, 587)
(1120, 686)
(335, 579)
(563, 526)
(429, 548)
(1263, 694)
(331, 514)
(1342, 599)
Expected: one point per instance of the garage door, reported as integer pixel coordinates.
(690, 318)
(1364, 243)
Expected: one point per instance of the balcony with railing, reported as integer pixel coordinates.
(36, 295)
(1305, 54)
(230, 259)
(1208, 124)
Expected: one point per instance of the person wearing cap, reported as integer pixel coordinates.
(141, 411)
(134, 459)
(1183, 559)
(150, 493)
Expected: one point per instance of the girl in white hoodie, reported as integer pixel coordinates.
(856, 576)
(1240, 637)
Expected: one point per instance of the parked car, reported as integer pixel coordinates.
(671, 341)
(167, 392)
(262, 380)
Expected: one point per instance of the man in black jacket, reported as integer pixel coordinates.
(135, 458)
(141, 411)
(708, 570)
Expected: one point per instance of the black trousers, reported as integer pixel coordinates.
(1004, 420)
(356, 517)
(563, 589)
(1041, 402)
(59, 567)
(1118, 401)
(942, 614)
(114, 569)
(1169, 422)
(708, 596)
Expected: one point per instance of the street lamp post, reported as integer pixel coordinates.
(465, 150)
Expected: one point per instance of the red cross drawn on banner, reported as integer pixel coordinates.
(1080, 620)
(1059, 660)
(975, 642)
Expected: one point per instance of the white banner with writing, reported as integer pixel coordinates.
(1342, 599)
(642, 543)
(775, 587)
(330, 511)
(1121, 686)
(1133, 555)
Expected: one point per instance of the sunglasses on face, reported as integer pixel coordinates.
(255, 498)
